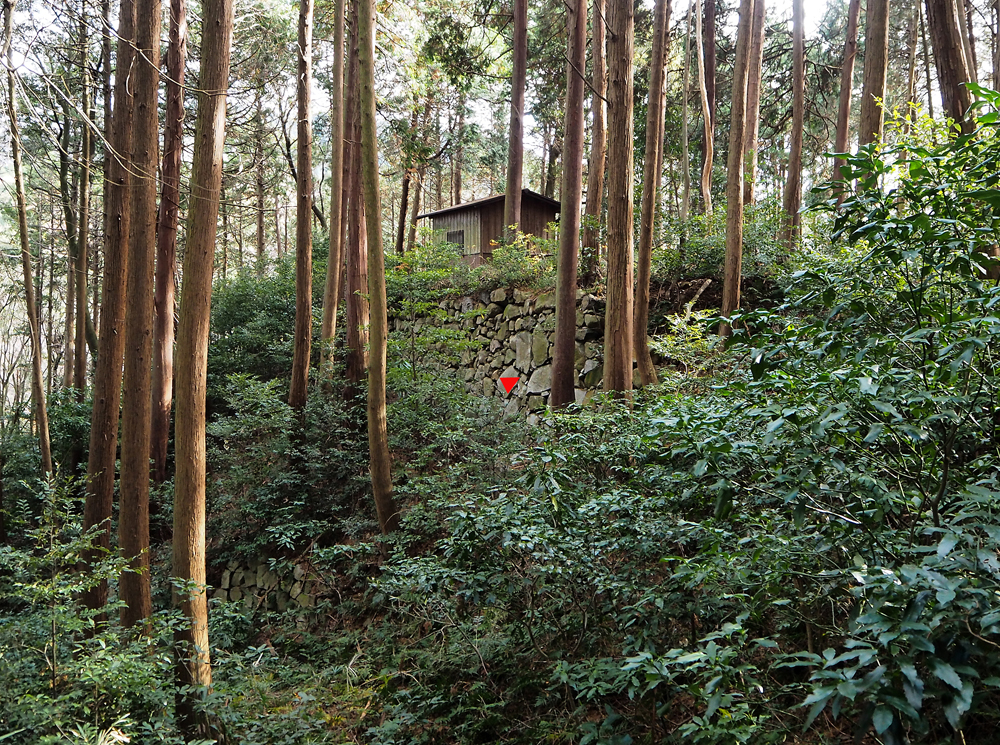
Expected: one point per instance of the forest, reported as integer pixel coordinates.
(485, 371)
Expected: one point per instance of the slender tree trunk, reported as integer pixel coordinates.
(193, 662)
(133, 526)
(846, 88)
(108, 370)
(515, 150)
(793, 187)
(357, 239)
(618, 313)
(598, 143)
(456, 178)
(411, 236)
(911, 78)
(734, 182)
(82, 315)
(303, 225)
(685, 145)
(652, 171)
(166, 242)
(707, 110)
(378, 438)
(331, 290)
(753, 101)
(946, 40)
(876, 65)
(37, 386)
(996, 44)
(968, 39)
(258, 159)
(404, 201)
(571, 191)
(68, 197)
(555, 151)
(927, 60)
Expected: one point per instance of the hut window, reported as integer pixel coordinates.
(457, 237)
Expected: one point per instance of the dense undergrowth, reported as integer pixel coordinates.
(791, 539)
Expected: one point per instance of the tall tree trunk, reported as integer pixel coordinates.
(303, 225)
(734, 182)
(331, 289)
(618, 313)
(108, 370)
(133, 525)
(598, 143)
(411, 236)
(968, 39)
(793, 187)
(927, 60)
(68, 189)
(82, 315)
(166, 242)
(571, 191)
(842, 139)
(357, 238)
(378, 438)
(404, 199)
(996, 44)
(258, 159)
(753, 101)
(876, 65)
(193, 662)
(651, 173)
(911, 78)
(946, 40)
(555, 151)
(685, 145)
(708, 112)
(37, 386)
(515, 149)
(457, 159)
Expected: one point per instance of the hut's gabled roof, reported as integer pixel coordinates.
(489, 200)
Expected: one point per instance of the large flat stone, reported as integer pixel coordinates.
(539, 347)
(522, 350)
(540, 380)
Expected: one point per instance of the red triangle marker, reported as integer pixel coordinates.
(509, 383)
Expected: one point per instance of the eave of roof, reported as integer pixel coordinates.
(487, 200)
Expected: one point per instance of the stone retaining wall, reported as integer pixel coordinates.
(259, 586)
(513, 331)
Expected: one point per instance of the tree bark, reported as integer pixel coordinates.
(846, 87)
(911, 78)
(618, 313)
(331, 289)
(946, 40)
(258, 158)
(515, 149)
(459, 155)
(685, 145)
(193, 661)
(378, 438)
(708, 112)
(598, 143)
(793, 186)
(968, 39)
(734, 183)
(927, 61)
(37, 385)
(133, 525)
(357, 238)
(82, 314)
(303, 210)
(753, 101)
(166, 241)
(876, 66)
(108, 370)
(652, 170)
(571, 192)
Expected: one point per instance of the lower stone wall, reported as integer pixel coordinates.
(512, 336)
(258, 586)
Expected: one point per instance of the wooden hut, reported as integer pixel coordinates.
(476, 225)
